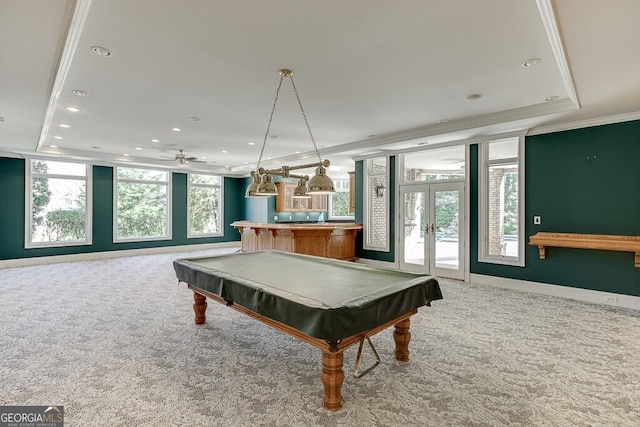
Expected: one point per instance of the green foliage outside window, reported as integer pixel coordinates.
(58, 202)
(510, 203)
(142, 203)
(41, 195)
(203, 210)
(340, 204)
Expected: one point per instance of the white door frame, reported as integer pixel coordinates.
(429, 266)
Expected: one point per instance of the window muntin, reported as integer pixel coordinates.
(205, 205)
(58, 204)
(376, 215)
(142, 205)
(501, 202)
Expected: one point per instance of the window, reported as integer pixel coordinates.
(339, 201)
(501, 202)
(142, 204)
(376, 213)
(434, 164)
(58, 204)
(205, 205)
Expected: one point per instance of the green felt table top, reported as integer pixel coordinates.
(323, 297)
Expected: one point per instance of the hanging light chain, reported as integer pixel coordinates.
(295, 90)
(273, 109)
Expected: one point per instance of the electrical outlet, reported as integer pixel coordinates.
(537, 220)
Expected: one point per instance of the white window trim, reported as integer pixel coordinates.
(169, 219)
(367, 203)
(220, 186)
(483, 208)
(28, 244)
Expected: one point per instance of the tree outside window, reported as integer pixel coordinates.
(142, 204)
(204, 205)
(58, 203)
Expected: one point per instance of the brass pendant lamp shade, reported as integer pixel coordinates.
(262, 184)
(300, 192)
(321, 183)
(267, 187)
(252, 189)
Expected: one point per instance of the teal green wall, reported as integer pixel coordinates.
(578, 181)
(12, 214)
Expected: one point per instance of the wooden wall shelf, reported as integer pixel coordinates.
(587, 241)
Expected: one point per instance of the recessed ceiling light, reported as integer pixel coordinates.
(194, 119)
(126, 155)
(155, 140)
(551, 98)
(72, 109)
(474, 97)
(102, 51)
(53, 146)
(443, 121)
(224, 151)
(252, 143)
(531, 62)
(139, 148)
(57, 137)
(80, 92)
(176, 129)
(63, 125)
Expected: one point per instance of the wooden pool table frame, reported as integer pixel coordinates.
(332, 351)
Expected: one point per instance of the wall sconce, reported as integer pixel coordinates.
(380, 190)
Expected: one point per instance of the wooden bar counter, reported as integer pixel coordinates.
(330, 240)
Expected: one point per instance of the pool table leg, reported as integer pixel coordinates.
(332, 378)
(200, 307)
(402, 336)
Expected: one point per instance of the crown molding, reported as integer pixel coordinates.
(599, 121)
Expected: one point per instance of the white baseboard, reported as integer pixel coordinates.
(24, 262)
(587, 295)
(376, 263)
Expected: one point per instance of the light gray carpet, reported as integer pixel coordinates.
(115, 343)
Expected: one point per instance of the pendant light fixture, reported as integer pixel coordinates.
(262, 184)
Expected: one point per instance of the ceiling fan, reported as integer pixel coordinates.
(183, 159)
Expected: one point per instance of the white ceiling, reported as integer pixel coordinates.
(372, 75)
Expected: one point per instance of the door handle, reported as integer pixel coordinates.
(432, 228)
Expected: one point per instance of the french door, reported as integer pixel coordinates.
(431, 229)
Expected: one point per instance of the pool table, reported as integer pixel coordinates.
(327, 303)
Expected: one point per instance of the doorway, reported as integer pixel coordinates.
(431, 229)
